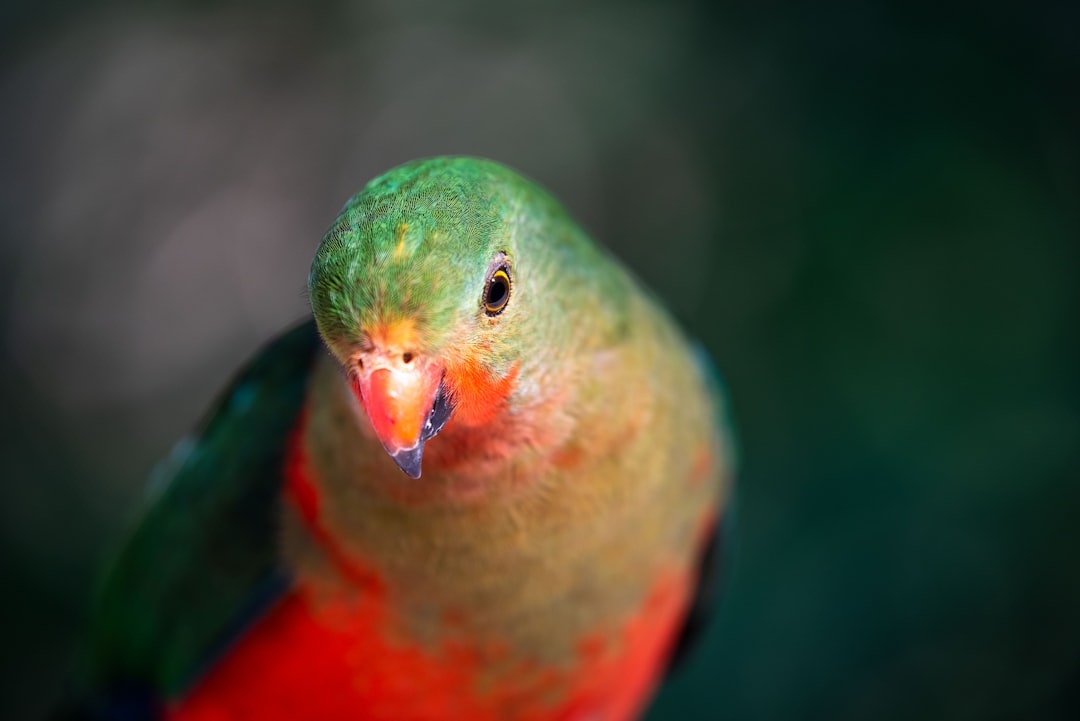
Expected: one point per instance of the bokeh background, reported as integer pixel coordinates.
(870, 214)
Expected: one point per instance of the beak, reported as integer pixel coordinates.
(407, 404)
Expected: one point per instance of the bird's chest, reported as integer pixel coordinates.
(462, 640)
(320, 658)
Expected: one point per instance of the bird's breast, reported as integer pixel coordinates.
(351, 641)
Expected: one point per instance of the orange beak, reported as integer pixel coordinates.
(405, 402)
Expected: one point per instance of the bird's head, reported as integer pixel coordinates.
(426, 291)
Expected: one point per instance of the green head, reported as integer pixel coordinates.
(443, 284)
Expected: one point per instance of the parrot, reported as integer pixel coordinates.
(489, 478)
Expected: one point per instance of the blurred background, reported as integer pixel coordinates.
(869, 214)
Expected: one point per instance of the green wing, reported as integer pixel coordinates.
(203, 562)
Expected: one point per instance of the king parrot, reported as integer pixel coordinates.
(496, 496)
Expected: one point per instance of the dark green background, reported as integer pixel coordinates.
(869, 214)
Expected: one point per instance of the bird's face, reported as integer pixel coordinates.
(418, 302)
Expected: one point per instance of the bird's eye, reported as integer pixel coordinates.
(497, 292)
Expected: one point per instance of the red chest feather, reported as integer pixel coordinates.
(310, 661)
(329, 659)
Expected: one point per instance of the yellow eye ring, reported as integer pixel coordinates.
(497, 291)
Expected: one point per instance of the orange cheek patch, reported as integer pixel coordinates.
(479, 396)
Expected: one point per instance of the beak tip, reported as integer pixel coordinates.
(409, 460)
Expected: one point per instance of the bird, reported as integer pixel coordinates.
(488, 478)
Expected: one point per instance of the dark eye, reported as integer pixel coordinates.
(497, 292)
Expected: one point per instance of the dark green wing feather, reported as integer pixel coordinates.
(203, 562)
